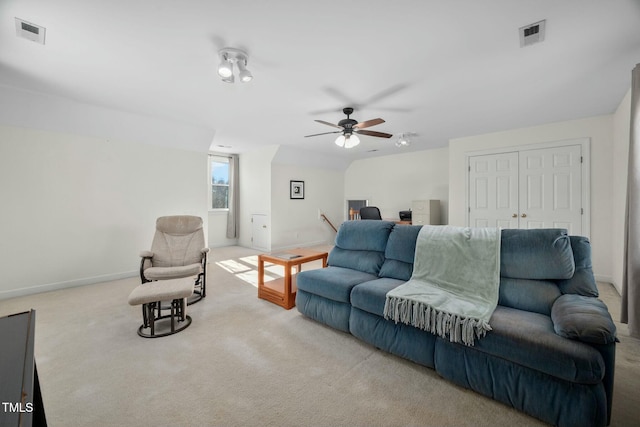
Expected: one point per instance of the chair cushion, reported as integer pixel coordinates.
(164, 273)
(178, 241)
(163, 290)
(583, 318)
(179, 225)
(541, 254)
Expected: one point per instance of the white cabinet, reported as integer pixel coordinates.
(425, 212)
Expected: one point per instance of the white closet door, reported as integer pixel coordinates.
(493, 190)
(551, 188)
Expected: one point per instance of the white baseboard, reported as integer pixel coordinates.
(13, 293)
(601, 278)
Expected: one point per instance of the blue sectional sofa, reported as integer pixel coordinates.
(551, 350)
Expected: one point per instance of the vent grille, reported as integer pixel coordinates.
(533, 33)
(30, 31)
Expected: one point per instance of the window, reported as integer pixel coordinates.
(219, 167)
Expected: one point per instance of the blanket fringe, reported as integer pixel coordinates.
(423, 316)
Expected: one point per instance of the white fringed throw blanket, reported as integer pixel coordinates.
(455, 283)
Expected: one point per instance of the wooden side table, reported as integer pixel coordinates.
(282, 291)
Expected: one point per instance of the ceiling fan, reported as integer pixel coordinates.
(349, 127)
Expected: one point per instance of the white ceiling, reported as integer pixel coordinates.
(441, 69)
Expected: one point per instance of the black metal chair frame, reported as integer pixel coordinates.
(149, 318)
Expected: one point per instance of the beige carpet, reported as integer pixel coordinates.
(247, 362)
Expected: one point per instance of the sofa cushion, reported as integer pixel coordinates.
(364, 235)
(400, 252)
(582, 282)
(583, 318)
(329, 312)
(530, 295)
(542, 254)
(529, 339)
(395, 269)
(334, 283)
(370, 296)
(558, 403)
(399, 339)
(365, 261)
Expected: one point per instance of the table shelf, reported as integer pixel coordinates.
(282, 291)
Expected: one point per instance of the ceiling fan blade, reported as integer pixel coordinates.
(329, 124)
(368, 123)
(374, 133)
(324, 133)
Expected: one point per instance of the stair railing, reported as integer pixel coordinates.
(325, 219)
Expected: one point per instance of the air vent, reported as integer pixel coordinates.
(30, 31)
(531, 34)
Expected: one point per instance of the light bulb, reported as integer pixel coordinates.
(403, 141)
(351, 141)
(245, 75)
(340, 141)
(225, 70)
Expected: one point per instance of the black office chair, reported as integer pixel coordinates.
(370, 212)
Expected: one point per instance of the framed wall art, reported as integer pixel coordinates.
(296, 189)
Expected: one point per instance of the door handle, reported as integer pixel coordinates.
(264, 226)
(514, 215)
(523, 215)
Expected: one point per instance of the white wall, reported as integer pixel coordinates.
(264, 189)
(598, 129)
(218, 230)
(255, 188)
(296, 222)
(79, 209)
(621, 135)
(392, 182)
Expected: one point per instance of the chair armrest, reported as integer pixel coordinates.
(204, 250)
(146, 254)
(583, 318)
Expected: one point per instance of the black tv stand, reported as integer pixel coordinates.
(20, 396)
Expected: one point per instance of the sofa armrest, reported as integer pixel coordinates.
(583, 318)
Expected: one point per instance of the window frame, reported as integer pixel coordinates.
(217, 158)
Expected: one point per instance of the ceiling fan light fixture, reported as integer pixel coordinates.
(347, 141)
(403, 140)
(351, 141)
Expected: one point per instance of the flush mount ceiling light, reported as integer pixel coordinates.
(230, 56)
(404, 139)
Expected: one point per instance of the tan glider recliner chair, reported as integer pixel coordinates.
(178, 250)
